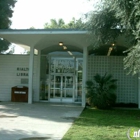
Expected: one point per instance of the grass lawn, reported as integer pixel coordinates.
(94, 124)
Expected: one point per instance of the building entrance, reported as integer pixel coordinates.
(63, 81)
(62, 87)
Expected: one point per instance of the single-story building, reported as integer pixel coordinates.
(63, 63)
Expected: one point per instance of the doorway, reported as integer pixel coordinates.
(62, 88)
(63, 80)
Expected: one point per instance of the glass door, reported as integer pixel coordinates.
(68, 88)
(61, 88)
(55, 88)
(61, 79)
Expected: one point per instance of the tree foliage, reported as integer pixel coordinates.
(103, 25)
(114, 18)
(60, 24)
(4, 45)
(6, 12)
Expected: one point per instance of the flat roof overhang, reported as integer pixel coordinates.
(47, 40)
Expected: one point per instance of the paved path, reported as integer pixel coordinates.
(22, 120)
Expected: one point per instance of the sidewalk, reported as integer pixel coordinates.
(48, 120)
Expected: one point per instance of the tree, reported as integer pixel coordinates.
(115, 18)
(60, 24)
(76, 24)
(4, 45)
(54, 24)
(5, 22)
(32, 27)
(130, 19)
(103, 25)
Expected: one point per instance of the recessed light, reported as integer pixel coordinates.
(64, 47)
(60, 43)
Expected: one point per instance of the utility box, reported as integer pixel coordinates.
(19, 94)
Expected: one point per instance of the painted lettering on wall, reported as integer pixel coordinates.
(22, 71)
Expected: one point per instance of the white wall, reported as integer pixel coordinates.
(9, 78)
(127, 90)
(127, 85)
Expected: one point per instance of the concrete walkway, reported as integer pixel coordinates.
(45, 121)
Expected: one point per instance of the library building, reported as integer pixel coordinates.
(57, 66)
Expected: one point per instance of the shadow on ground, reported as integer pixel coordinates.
(20, 135)
(55, 112)
(39, 120)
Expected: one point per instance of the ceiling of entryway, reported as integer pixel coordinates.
(47, 40)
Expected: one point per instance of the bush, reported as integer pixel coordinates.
(101, 91)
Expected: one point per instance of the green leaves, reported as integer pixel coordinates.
(5, 13)
(132, 61)
(60, 24)
(101, 91)
(4, 45)
(116, 18)
(104, 25)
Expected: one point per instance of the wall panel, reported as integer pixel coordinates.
(8, 74)
(127, 90)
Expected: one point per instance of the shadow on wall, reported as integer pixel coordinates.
(103, 50)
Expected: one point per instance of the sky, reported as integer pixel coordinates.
(36, 13)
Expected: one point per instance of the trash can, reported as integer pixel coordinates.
(19, 94)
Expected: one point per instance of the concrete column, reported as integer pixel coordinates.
(31, 68)
(38, 73)
(74, 80)
(139, 91)
(84, 75)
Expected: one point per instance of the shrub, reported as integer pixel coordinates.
(101, 91)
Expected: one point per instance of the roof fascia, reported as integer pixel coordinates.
(42, 32)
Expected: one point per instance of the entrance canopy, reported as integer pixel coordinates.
(48, 40)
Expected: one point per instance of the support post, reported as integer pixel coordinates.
(84, 75)
(38, 74)
(31, 67)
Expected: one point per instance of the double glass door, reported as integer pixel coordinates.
(61, 80)
(62, 87)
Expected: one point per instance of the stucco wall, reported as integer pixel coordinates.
(9, 72)
(127, 90)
